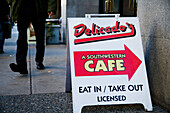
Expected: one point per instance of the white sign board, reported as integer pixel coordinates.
(107, 62)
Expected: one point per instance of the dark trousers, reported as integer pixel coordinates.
(22, 45)
(2, 39)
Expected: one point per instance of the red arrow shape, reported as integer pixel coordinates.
(130, 63)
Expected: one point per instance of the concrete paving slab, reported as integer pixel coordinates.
(52, 79)
(11, 83)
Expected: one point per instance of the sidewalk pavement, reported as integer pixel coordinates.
(44, 90)
(50, 80)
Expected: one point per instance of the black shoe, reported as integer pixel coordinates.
(24, 72)
(15, 68)
(40, 65)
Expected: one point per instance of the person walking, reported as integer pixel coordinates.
(24, 12)
(4, 17)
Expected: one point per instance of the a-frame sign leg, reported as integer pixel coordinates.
(68, 70)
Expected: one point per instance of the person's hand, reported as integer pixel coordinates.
(51, 13)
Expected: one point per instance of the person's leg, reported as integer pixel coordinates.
(39, 28)
(2, 39)
(22, 45)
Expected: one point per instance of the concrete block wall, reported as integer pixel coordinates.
(154, 17)
(78, 8)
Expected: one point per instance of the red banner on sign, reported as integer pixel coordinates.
(97, 63)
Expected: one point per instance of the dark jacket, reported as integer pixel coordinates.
(4, 10)
(41, 9)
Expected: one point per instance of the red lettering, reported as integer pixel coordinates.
(115, 28)
(107, 30)
(101, 30)
(97, 30)
(88, 32)
(93, 28)
(122, 28)
(78, 33)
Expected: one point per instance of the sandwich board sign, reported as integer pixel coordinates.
(107, 62)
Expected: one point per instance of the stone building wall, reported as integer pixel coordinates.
(76, 8)
(154, 17)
